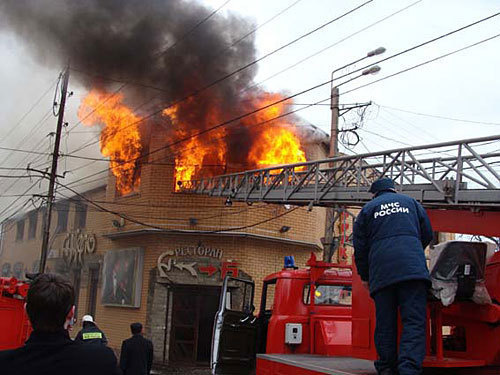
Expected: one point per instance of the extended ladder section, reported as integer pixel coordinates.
(461, 174)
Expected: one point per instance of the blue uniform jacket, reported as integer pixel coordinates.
(390, 234)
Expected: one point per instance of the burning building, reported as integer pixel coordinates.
(175, 100)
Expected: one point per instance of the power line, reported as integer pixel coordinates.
(133, 220)
(218, 54)
(428, 61)
(16, 200)
(15, 127)
(441, 117)
(34, 148)
(258, 27)
(322, 84)
(331, 46)
(418, 128)
(193, 29)
(24, 151)
(229, 75)
(328, 82)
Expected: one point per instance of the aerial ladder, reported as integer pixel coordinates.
(459, 185)
(459, 180)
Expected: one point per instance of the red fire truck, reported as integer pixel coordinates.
(14, 325)
(332, 333)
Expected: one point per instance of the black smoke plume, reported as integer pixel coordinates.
(160, 43)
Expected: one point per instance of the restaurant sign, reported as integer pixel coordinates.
(76, 245)
(172, 259)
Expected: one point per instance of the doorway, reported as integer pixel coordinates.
(193, 313)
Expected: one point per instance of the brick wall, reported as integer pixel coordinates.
(259, 249)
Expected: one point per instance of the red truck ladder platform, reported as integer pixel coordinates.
(308, 364)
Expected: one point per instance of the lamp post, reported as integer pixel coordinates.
(334, 98)
(329, 243)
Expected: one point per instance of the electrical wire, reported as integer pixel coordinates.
(330, 46)
(19, 198)
(229, 75)
(441, 117)
(370, 83)
(16, 125)
(135, 221)
(329, 81)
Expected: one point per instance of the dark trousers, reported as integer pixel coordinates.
(411, 299)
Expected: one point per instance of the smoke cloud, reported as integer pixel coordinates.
(146, 41)
(156, 43)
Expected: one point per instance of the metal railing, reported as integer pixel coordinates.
(448, 174)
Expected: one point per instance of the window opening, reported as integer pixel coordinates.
(32, 220)
(62, 209)
(20, 230)
(335, 295)
(80, 215)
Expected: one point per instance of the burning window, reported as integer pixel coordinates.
(120, 139)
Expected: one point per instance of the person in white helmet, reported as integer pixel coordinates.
(90, 332)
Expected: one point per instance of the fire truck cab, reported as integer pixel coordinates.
(14, 324)
(332, 333)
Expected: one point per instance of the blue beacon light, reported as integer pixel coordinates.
(290, 262)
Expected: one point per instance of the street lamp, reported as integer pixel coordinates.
(375, 52)
(334, 97)
(334, 106)
(371, 70)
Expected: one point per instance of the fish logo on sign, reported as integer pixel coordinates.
(163, 268)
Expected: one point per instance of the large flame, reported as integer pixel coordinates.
(276, 146)
(269, 139)
(197, 155)
(276, 142)
(120, 139)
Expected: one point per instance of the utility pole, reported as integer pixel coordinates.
(334, 125)
(329, 242)
(53, 172)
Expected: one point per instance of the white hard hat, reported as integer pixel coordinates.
(87, 318)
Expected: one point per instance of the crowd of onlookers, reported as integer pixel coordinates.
(50, 350)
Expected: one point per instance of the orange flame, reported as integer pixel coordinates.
(196, 154)
(276, 146)
(272, 140)
(277, 143)
(120, 139)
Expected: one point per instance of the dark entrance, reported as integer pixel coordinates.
(193, 313)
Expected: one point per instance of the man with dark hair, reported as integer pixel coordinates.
(49, 350)
(90, 332)
(390, 235)
(136, 357)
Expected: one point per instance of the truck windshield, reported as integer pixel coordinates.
(329, 295)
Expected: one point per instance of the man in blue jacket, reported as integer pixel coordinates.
(390, 235)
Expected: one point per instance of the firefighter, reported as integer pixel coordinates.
(49, 350)
(90, 332)
(390, 235)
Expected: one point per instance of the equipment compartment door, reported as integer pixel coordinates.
(235, 328)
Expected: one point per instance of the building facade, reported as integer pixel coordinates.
(159, 257)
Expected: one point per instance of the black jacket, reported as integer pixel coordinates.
(91, 334)
(56, 354)
(136, 357)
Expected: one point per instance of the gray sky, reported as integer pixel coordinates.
(462, 86)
